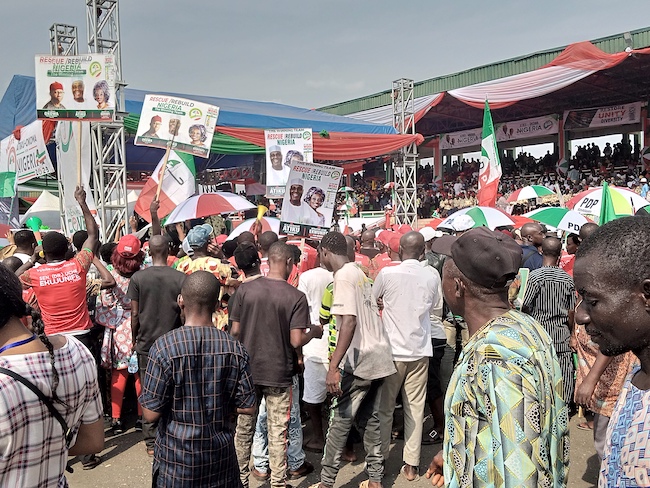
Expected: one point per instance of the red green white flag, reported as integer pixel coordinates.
(178, 184)
(490, 170)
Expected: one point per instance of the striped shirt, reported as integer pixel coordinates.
(32, 443)
(196, 377)
(550, 295)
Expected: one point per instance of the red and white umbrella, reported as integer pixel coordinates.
(268, 223)
(218, 202)
(588, 202)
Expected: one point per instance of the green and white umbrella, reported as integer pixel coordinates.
(528, 192)
(482, 216)
(345, 189)
(559, 217)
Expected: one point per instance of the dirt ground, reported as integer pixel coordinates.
(126, 464)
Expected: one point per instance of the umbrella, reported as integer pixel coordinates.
(218, 202)
(268, 223)
(528, 192)
(624, 201)
(483, 217)
(560, 218)
(345, 189)
(390, 184)
(520, 220)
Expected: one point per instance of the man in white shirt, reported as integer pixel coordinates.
(293, 208)
(313, 283)
(410, 294)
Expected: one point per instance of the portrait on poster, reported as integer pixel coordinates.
(187, 125)
(285, 147)
(75, 87)
(309, 199)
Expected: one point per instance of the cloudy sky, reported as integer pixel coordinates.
(312, 53)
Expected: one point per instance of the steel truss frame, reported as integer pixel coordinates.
(405, 165)
(108, 153)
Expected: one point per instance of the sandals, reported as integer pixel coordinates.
(92, 462)
(403, 473)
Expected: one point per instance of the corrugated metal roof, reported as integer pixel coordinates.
(494, 71)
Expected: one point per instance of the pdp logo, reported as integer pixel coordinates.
(306, 135)
(195, 113)
(95, 69)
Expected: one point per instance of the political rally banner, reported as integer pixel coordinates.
(27, 157)
(309, 199)
(75, 87)
(284, 146)
(615, 115)
(527, 128)
(67, 137)
(187, 125)
(465, 138)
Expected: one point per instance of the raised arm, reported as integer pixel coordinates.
(156, 229)
(91, 225)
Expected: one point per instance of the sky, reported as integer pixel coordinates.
(312, 53)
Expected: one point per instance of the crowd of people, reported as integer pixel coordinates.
(232, 343)
(619, 165)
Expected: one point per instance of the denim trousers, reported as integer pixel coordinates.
(360, 400)
(295, 453)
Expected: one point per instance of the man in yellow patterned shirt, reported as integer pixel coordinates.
(506, 423)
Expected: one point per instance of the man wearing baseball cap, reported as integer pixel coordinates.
(506, 422)
(56, 97)
(154, 127)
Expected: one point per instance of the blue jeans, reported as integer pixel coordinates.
(295, 453)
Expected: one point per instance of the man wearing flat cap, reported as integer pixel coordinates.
(56, 97)
(506, 422)
(154, 127)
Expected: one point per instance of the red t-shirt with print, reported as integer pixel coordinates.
(60, 289)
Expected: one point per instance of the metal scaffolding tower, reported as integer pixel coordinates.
(107, 138)
(405, 165)
(63, 40)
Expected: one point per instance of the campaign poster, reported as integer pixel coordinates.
(309, 199)
(284, 147)
(27, 157)
(629, 113)
(185, 124)
(465, 138)
(527, 128)
(75, 87)
(67, 138)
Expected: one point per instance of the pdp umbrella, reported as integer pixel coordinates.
(268, 223)
(345, 189)
(483, 217)
(624, 201)
(559, 217)
(528, 192)
(218, 202)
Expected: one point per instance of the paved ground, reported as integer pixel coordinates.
(126, 464)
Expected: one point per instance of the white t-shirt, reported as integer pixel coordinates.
(409, 294)
(22, 256)
(313, 283)
(369, 356)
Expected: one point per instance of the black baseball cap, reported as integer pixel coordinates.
(488, 258)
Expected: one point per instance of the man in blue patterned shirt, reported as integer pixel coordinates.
(197, 376)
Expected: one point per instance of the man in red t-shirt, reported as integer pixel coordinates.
(60, 284)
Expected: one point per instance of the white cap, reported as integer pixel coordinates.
(428, 233)
(297, 181)
(462, 223)
(571, 167)
(275, 148)
(643, 180)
